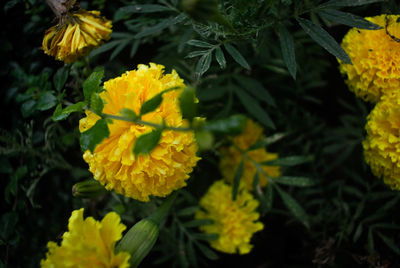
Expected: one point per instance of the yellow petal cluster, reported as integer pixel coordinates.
(382, 144)
(235, 221)
(76, 35)
(231, 157)
(376, 59)
(88, 243)
(163, 170)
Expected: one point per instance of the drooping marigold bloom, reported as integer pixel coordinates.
(235, 221)
(76, 35)
(375, 55)
(382, 143)
(88, 243)
(231, 157)
(163, 170)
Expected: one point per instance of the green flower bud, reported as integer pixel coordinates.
(88, 189)
(204, 10)
(205, 140)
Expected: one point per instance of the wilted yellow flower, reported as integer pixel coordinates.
(231, 157)
(234, 221)
(163, 170)
(376, 59)
(382, 144)
(88, 243)
(77, 33)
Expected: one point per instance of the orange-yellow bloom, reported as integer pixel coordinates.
(77, 34)
(376, 59)
(231, 157)
(88, 243)
(235, 221)
(167, 167)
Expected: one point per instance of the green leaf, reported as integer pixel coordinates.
(288, 161)
(237, 56)
(129, 113)
(219, 55)
(389, 242)
(208, 253)
(371, 246)
(155, 29)
(197, 223)
(256, 89)
(204, 236)
(287, 47)
(119, 48)
(46, 101)
(232, 125)
(60, 114)
(295, 181)
(96, 103)
(187, 103)
(147, 142)
(28, 108)
(357, 233)
(197, 53)
(104, 48)
(188, 211)
(236, 178)
(348, 19)
(254, 108)
(149, 8)
(203, 64)
(191, 253)
(60, 78)
(151, 104)
(95, 135)
(92, 84)
(198, 43)
(349, 3)
(324, 39)
(268, 199)
(293, 206)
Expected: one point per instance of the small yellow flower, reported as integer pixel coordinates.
(234, 221)
(382, 144)
(77, 33)
(88, 243)
(163, 170)
(231, 157)
(376, 59)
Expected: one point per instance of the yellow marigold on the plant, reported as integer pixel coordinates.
(382, 144)
(234, 221)
(163, 170)
(376, 58)
(88, 243)
(231, 157)
(77, 33)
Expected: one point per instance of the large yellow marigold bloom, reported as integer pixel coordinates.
(163, 170)
(234, 221)
(231, 157)
(382, 144)
(77, 34)
(376, 59)
(88, 243)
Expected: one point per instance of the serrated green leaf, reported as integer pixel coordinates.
(288, 161)
(288, 52)
(349, 3)
(197, 223)
(203, 64)
(46, 101)
(147, 142)
(232, 125)
(256, 89)
(295, 181)
(151, 104)
(187, 103)
(146, 8)
(254, 108)
(198, 43)
(324, 39)
(237, 56)
(60, 78)
(348, 19)
(92, 84)
(208, 253)
(389, 243)
(129, 113)
(93, 136)
(96, 104)
(219, 56)
(236, 178)
(293, 206)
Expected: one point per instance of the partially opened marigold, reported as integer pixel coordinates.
(382, 144)
(231, 157)
(235, 221)
(163, 170)
(77, 33)
(375, 55)
(88, 243)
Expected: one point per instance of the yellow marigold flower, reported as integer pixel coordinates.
(376, 59)
(234, 221)
(231, 157)
(88, 243)
(77, 33)
(163, 170)
(382, 144)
